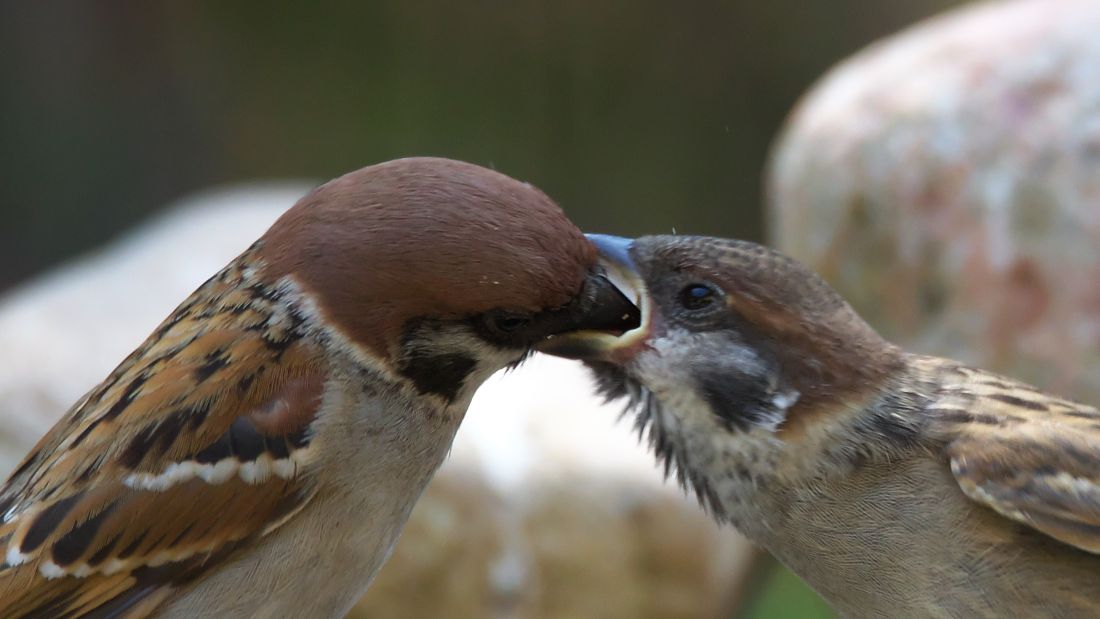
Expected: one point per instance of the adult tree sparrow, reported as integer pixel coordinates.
(258, 455)
(895, 484)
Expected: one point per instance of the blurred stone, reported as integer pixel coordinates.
(546, 508)
(657, 552)
(442, 566)
(947, 181)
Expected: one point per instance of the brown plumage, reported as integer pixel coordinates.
(259, 453)
(897, 485)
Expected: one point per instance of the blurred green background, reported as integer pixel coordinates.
(638, 117)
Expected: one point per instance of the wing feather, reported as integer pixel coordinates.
(191, 450)
(1030, 456)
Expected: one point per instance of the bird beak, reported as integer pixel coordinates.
(624, 297)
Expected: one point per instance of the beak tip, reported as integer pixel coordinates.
(613, 248)
(607, 314)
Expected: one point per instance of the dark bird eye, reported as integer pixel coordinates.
(509, 323)
(697, 296)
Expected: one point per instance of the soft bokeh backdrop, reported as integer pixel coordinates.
(636, 116)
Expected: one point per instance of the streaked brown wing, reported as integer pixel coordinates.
(113, 547)
(1030, 456)
(188, 452)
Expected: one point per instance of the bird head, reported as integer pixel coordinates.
(441, 270)
(737, 346)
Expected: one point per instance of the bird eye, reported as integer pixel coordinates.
(697, 296)
(509, 323)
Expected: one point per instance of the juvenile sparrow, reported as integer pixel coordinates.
(258, 455)
(895, 484)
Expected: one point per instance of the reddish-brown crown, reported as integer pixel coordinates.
(425, 237)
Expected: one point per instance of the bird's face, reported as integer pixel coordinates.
(739, 350)
(440, 271)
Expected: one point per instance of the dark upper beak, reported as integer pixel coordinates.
(607, 312)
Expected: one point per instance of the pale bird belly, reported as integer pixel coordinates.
(287, 577)
(905, 545)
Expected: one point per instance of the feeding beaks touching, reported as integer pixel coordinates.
(510, 335)
(599, 308)
(618, 269)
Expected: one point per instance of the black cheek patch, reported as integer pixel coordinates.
(442, 374)
(736, 402)
(740, 389)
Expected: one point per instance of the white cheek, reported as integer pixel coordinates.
(664, 370)
(781, 401)
(663, 366)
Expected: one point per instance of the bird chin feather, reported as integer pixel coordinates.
(650, 421)
(518, 362)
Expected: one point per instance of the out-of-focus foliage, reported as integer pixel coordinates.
(636, 116)
(783, 595)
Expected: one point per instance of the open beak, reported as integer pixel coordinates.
(617, 316)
